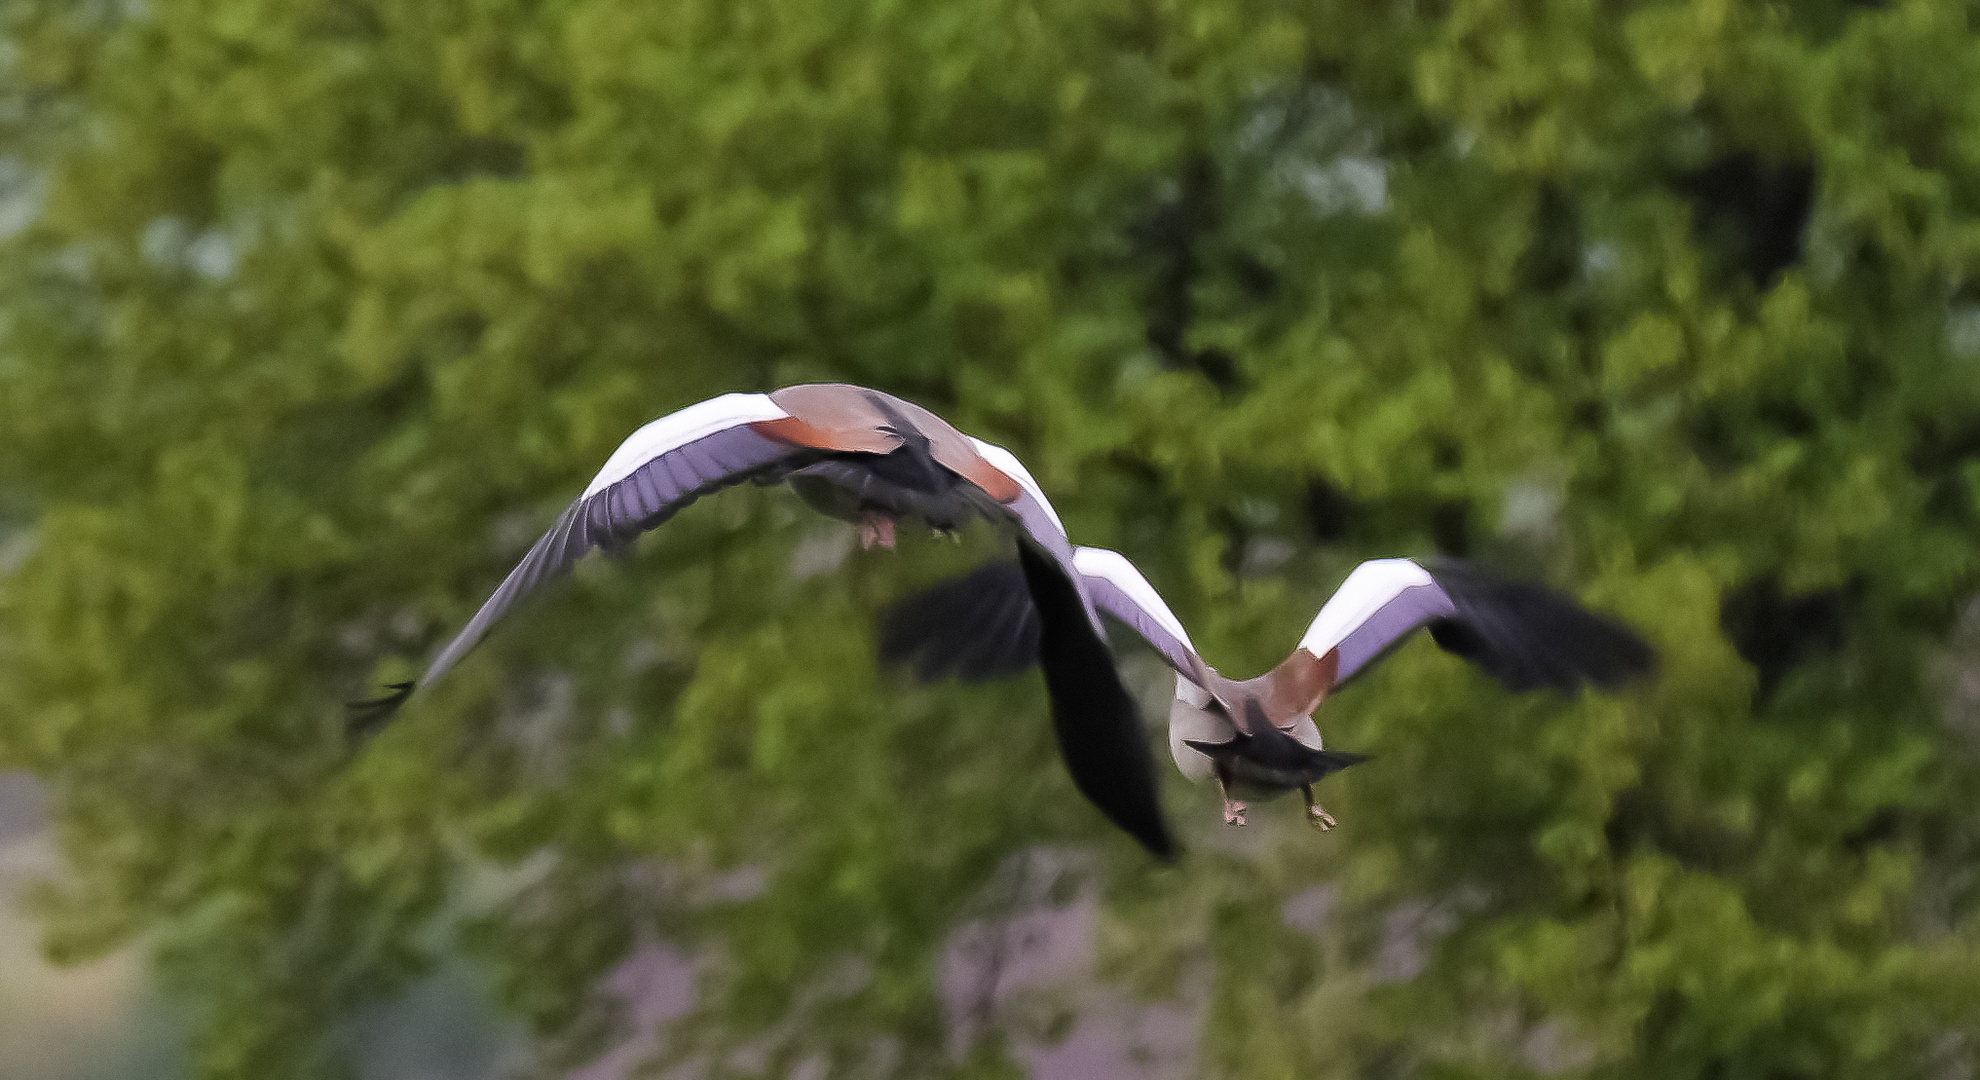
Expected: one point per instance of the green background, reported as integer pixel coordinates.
(314, 312)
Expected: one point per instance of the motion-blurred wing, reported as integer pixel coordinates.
(1521, 634)
(983, 625)
(974, 628)
(1527, 636)
(661, 468)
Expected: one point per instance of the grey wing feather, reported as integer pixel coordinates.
(1390, 624)
(610, 519)
(615, 517)
(1521, 634)
(1120, 590)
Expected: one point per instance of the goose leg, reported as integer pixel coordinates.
(1314, 812)
(1233, 809)
(875, 529)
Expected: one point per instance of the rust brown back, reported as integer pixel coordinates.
(1287, 692)
(839, 416)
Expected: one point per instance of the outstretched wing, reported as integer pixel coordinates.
(1036, 516)
(1523, 635)
(659, 469)
(983, 625)
(1004, 617)
(1119, 590)
(1093, 716)
(1527, 636)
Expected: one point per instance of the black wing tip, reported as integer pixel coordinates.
(364, 719)
(1342, 759)
(1530, 637)
(1094, 718)
(974, 628)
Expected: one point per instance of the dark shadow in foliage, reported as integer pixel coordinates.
(1939, 449)
(1171, 239)
(1552, 260)
(1333, 516)
(1254, 277)
(1774, 632)
(1729, 434)
(1238, 537)
(1450, 519)
(479, 155)
(1753, 210)
(1450, 528)
(1824, 20)
(1330, 513)
(1638, 823)
(1884, 825)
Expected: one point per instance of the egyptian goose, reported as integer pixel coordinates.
(875, 460)
(1257, 737)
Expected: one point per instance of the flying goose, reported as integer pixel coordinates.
(875, 460)
(1257, 737)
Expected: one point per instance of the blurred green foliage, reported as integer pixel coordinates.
(313, 312)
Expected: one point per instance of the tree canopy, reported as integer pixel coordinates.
(314, 313)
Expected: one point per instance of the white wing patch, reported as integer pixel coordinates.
(1189, 692)
(1007, 463)
(675, 430)
(1371, 585)
(1112, 565)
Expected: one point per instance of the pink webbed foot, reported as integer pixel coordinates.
(1314, 814)
(876, 530)
(1233, 812)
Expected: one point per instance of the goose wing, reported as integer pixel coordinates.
(1004, 617)
(659, 469)
(1522, 634)
(1094, 718)
(983, 625)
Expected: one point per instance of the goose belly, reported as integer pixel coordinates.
(848, 489)
(1249, 781)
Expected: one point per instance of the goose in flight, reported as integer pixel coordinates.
(1256, 737)
(875, 460)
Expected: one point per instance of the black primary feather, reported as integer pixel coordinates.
(363, 719)
(1528, 637)
(1093, 716)
(974, 628)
